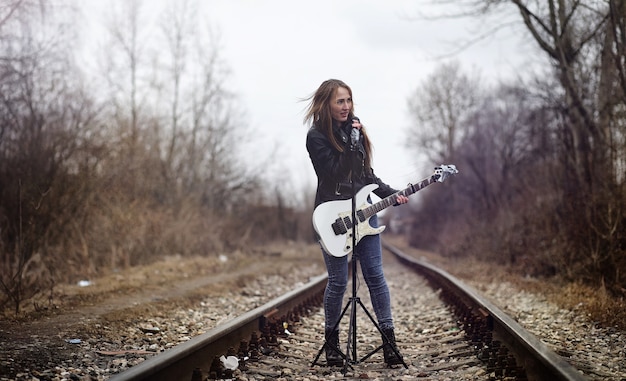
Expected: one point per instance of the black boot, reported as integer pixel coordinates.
(391, 358)
(333, 358)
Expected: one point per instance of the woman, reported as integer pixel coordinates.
(337, 162)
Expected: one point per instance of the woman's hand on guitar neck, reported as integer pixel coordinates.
(402, 199)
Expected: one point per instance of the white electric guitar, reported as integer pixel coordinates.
(332, 220)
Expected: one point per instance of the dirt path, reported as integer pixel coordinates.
(114, 299)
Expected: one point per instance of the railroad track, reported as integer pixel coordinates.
(444, 329)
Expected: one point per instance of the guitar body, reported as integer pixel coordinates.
(339, 245)
(332, 220)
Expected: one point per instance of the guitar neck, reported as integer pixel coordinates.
(391, 200)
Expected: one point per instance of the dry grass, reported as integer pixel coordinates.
(180, 278)
(596, 302)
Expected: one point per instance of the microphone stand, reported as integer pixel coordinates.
(354, 299)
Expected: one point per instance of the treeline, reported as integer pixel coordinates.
(134, 161)
(543, 159)
(138, 156)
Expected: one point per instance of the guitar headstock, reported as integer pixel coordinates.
(443, 171)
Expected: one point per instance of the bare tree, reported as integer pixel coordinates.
(203, 132)
(46, 117)
(127, 74)
(12, 10)
(504, 160)
(439, 107)
(167, 82)
(178, 28)
(579, 38)
(583, 45)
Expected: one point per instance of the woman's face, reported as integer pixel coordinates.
(341, 104)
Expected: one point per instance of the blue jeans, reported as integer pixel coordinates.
(369, 254)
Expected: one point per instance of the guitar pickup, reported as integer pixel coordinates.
(360, 216)
(348, 222)
(339, 227)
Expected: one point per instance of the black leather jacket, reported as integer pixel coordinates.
(333, 167)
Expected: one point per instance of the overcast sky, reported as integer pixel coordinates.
(280, 51)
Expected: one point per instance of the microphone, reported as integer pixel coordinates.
(355, 134)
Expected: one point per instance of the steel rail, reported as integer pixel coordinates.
(180, 362)
(498, 340)
(538, 361)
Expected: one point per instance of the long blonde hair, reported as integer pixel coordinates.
(318, 113)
